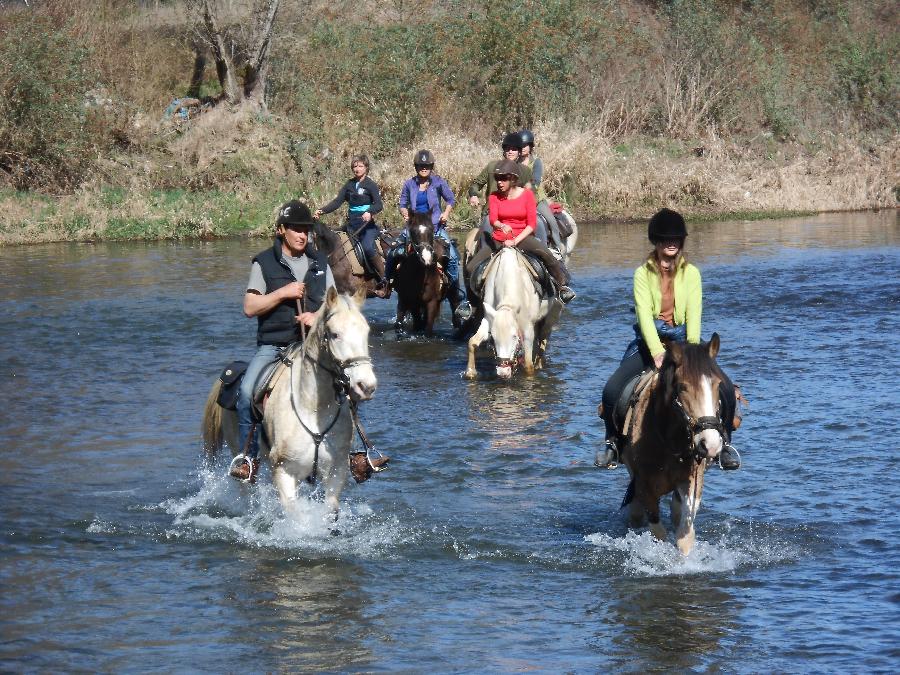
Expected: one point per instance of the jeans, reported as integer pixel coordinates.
(664, 330)
(265, 355)
(543, 209)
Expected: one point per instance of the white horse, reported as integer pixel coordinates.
(571, 240)
(308, 416)
(516, 317)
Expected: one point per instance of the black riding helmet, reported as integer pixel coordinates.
(666, 224)
(527, 137)
(423, 158)
(295, 213)
(512, 140)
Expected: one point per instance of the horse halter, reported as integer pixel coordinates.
(696, 425)
(339, 374)
(517, 356)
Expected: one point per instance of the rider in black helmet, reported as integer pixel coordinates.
(512, 148)
(287, 285)
(528, 158)
(668, 303)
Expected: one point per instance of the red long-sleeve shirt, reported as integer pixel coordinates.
(518, 213)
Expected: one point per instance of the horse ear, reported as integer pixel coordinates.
(331, 296)
(360, 296)
(714, 343)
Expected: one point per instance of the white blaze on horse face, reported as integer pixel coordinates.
(427, 253)
(708, 438)
(505, 331)
(351, 344)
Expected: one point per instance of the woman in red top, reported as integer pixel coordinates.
(512, 212)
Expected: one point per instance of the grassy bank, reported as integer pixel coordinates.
(707, 106)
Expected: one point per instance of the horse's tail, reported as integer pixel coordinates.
(213, 438)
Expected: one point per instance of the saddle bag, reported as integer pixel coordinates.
(565, 227)
(231, 383)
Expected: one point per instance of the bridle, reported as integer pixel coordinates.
(696, 425)
(340, 380)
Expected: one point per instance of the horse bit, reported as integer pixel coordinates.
(696, 425)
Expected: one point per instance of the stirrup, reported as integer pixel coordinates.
(608, 462)
(236, 462)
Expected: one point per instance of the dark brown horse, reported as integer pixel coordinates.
(418, 279)
(674, 433)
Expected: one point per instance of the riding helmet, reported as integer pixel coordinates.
(507, 167)
(423, 158)
(512, 140)
(294, 213)
(527, 137)
(666, 224)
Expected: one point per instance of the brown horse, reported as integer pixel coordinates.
(674, 433)
(350, 274)
(418, 280)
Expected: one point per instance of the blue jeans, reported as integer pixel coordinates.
(265, 355)
(664, 330)
(367, 233)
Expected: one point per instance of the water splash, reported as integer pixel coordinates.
(641, 554)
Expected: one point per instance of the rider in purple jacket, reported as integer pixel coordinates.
(423, 193)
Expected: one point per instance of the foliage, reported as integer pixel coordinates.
(46, 116)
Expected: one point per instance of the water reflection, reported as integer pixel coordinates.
(312, 613)
(674, 622)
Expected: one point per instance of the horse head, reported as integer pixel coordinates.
(421, 238)
(507, 337)
(691, 379)
(343, 334)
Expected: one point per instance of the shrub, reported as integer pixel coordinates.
(44, 124)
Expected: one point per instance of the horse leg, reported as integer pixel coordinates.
(286, 484)
(401, 314)
(650, 504)
(431, 312)
(528, 349)
(479, 337)
(689, 493)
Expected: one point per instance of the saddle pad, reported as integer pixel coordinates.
(348, 250)
(629, 398)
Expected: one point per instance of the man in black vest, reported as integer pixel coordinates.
(287, 285)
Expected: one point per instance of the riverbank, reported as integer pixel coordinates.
(234, 188)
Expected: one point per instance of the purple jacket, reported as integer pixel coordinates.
(436, 190)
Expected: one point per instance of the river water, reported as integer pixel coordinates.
(492, 544)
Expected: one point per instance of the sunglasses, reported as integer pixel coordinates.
(504, 176)
(419, 167)
(297, 227)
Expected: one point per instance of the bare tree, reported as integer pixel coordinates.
(239, 46)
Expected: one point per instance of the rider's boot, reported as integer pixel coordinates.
(383, 287)
(607, 457)
(566, 294)
(247, 470)
(729, 457)
(362, 467)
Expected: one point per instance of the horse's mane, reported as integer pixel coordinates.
(694, 361)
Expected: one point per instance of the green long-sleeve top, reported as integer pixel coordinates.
(486, 178)
(648, 302)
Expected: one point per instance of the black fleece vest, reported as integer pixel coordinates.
(279, 326)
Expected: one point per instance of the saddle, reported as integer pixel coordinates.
(624, 411)
(540, 276)
(233, 374)
(353, 251)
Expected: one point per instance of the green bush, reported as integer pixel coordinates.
(46, 139)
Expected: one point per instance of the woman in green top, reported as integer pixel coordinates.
(668, 303)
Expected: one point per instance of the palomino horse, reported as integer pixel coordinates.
(418, 280)
(675, 433)
(308, 417)
(515, 316)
